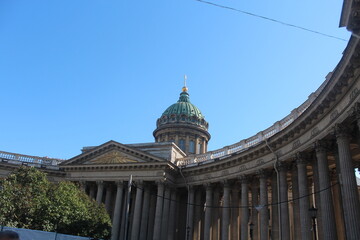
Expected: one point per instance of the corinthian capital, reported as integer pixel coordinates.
(263, 173)
(355, 111)
(283, 166)
(244, 179)
(322, 146)
(302, 158)
(342, 131)
(100, 183)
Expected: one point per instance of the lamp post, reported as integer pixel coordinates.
(251, 230)
(313, 212)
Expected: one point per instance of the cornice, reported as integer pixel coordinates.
(108, 146)
(336, 89)
(12, 167)
(171, 127)
(124, 167)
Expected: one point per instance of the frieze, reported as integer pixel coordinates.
(242, 168)
(354, 94)
(260, 162)
(208, 176)
(296, 144)
(334, 114)
(315, 114)
(355, 111)
(315, 131)
(190, 179)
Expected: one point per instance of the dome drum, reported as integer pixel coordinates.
(191, 141)
(175, 119)
(183, 124)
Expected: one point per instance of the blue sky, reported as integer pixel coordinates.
(80, 73)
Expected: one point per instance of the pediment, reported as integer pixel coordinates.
(112, 153)
(114, 157)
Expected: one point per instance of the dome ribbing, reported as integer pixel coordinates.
(183, 107)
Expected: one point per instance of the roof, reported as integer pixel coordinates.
(183, 107)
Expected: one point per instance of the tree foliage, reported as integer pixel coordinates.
(29, 200)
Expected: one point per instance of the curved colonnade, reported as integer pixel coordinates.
(261, 188)
(263, 192)
(310, 162)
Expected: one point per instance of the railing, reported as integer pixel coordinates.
(6, 156)
(256, 139)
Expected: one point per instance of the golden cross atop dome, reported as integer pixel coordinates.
(185, 89)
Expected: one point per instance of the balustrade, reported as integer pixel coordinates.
(256, 139)
(19, 158)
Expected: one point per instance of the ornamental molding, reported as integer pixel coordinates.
(333, 92)
(123, 167)
(111, 153)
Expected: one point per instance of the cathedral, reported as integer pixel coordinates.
(293, 180)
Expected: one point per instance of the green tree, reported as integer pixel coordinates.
(29, 200)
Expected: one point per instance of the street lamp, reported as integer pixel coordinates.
(313, 212)
(251, 230)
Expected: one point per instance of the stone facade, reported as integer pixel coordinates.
(259, 188)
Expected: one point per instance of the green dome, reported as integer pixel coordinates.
(182, 112)
(183, 107)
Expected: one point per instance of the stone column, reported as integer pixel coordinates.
(165, 217)
(100, 191)
(215, 224)
(190, 220)
(254, 211)
(304, 200)
(171, 231)
(198, 212)
(284, 216)
(131, 212)
(108, 197)
(117, 211)
(145, 213)
(123, 220)
(350, 195)
(151, 221)
(82, 185)
(158, 211)
(244, 208)
(274, 208)
(187, 144)
(197, 150)
(203, 150)
(166, 211)
(338, 205)
(317, 198)
(264, 212)
(135, 230)
(235, 213)
(326, 201)
(225, 213)
(338, 211)
(92, 191)
(295, 203)
(208, 208)
(177, 139)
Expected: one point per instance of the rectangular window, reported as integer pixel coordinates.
(191, 147)
(199, 147)
(182, 144)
